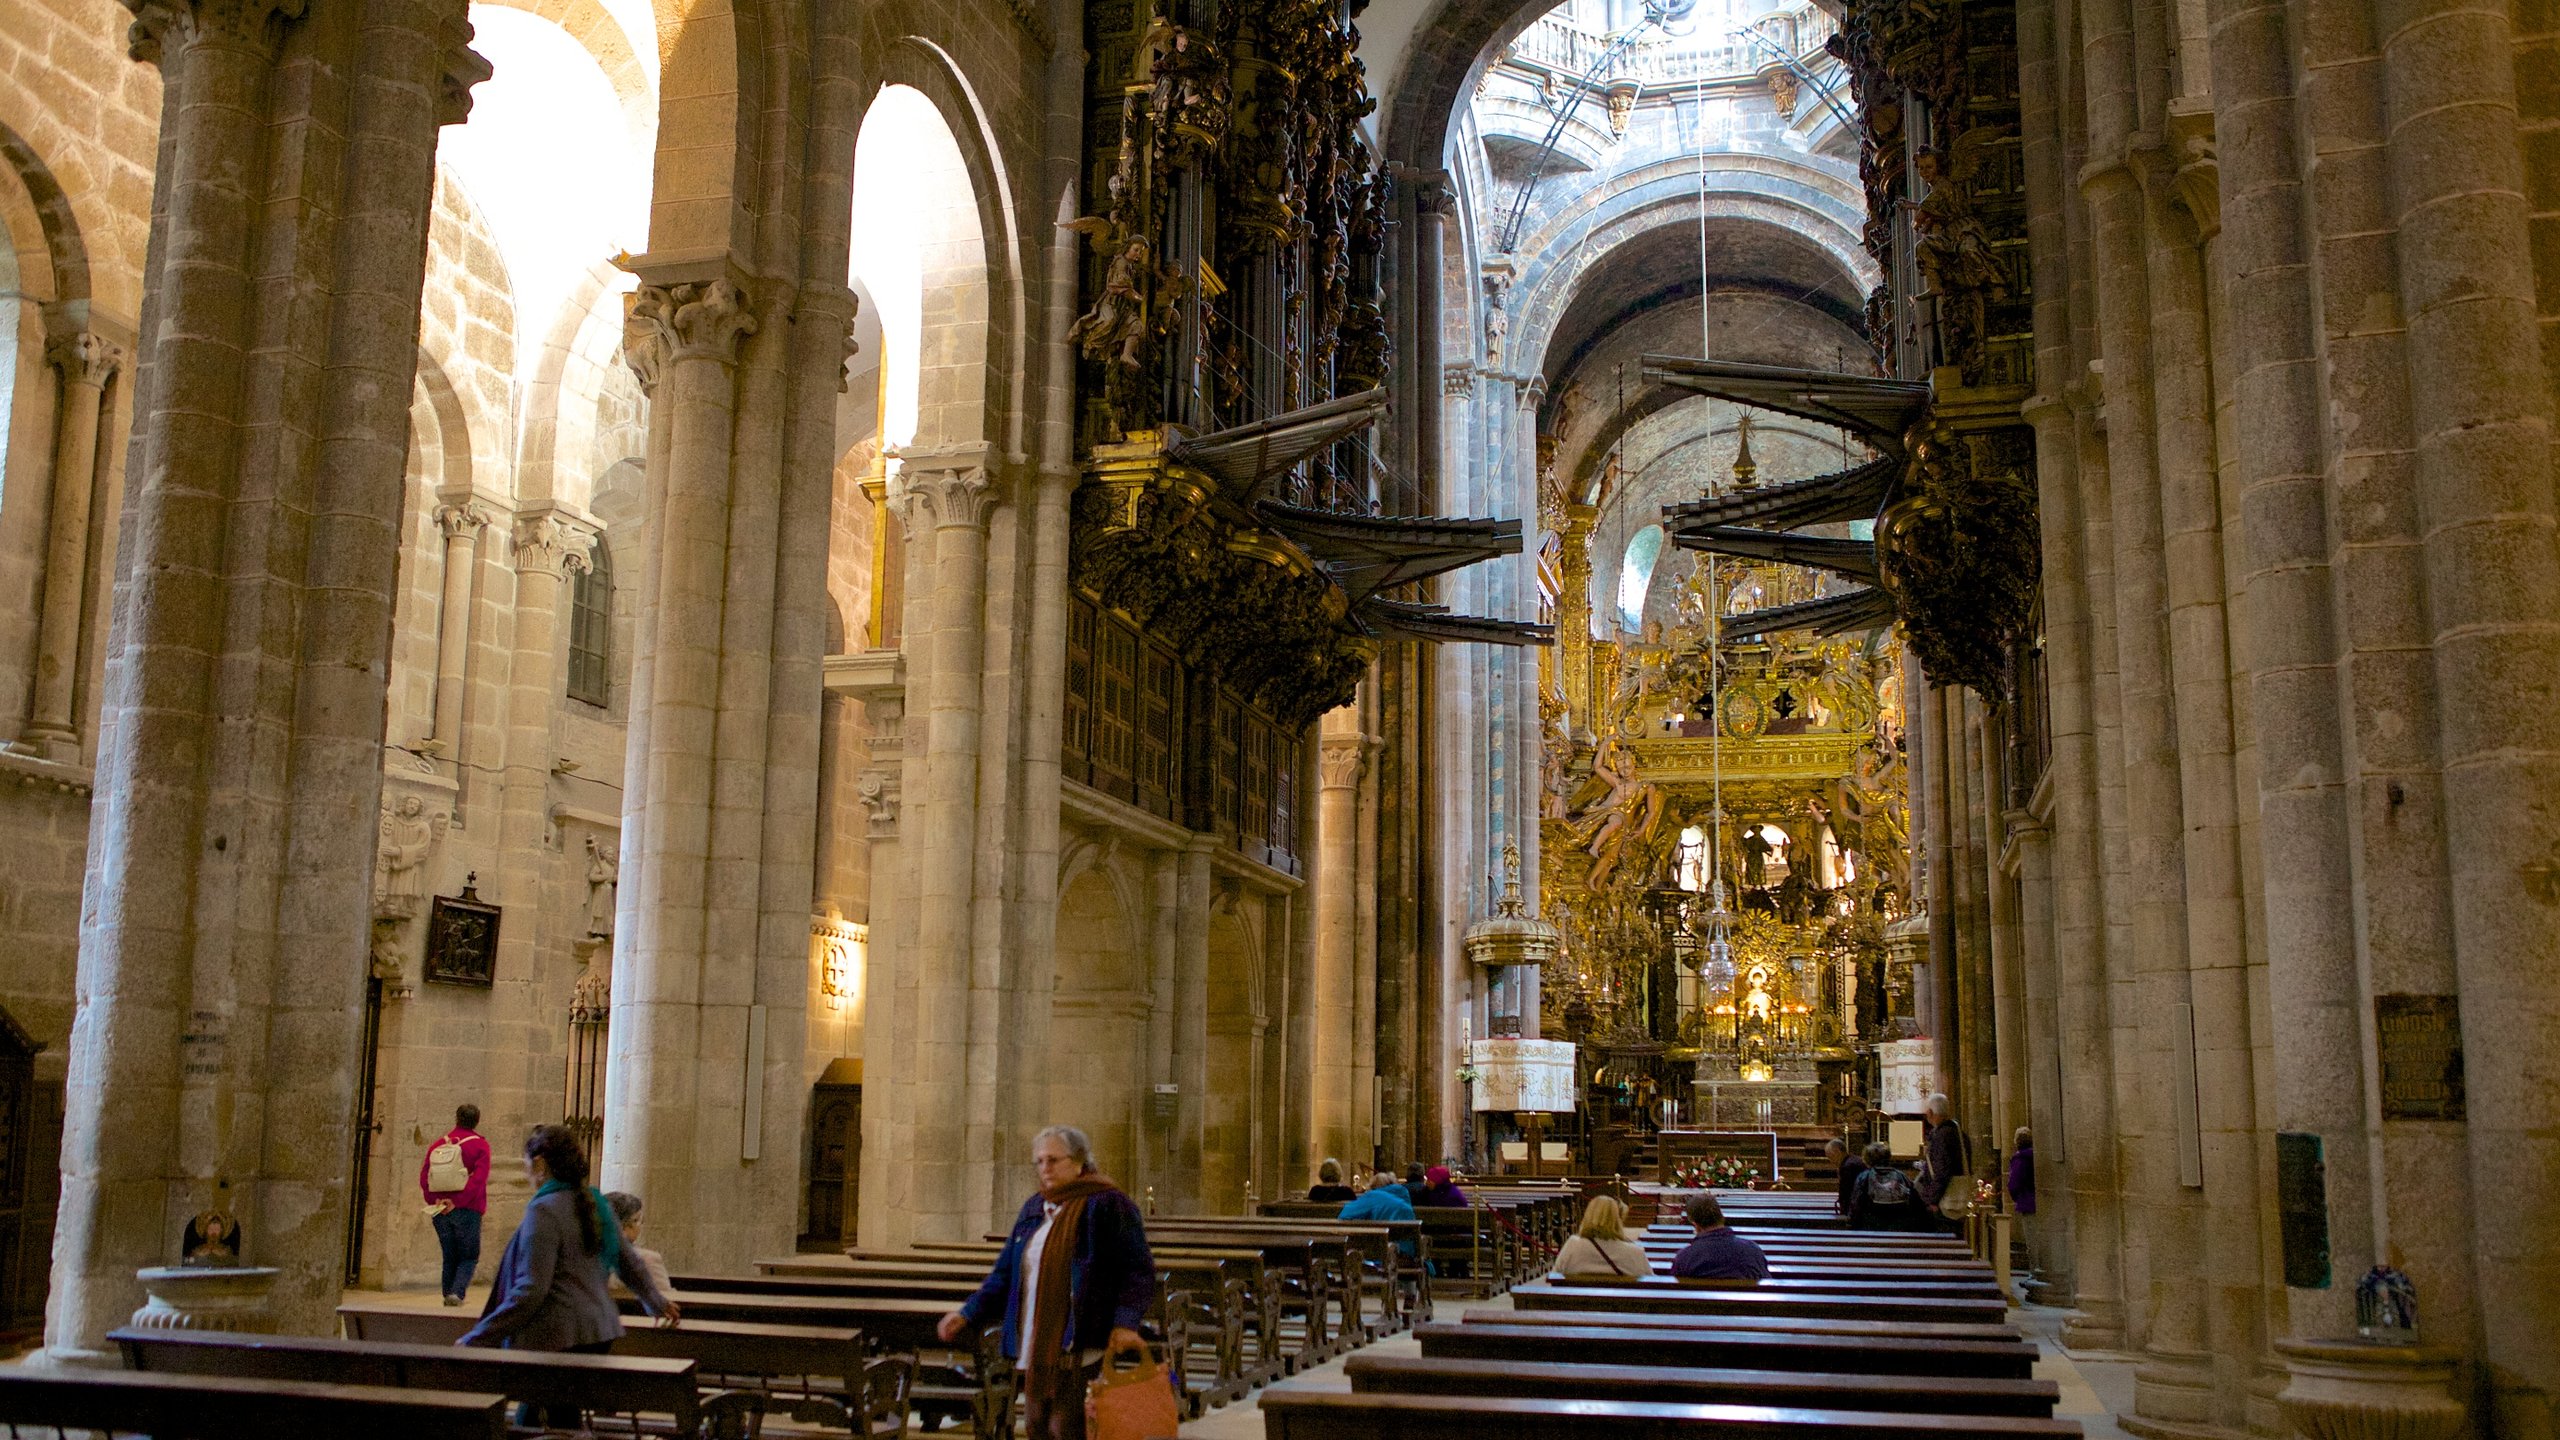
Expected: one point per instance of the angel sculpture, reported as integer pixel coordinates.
(1116, 327)
(1615, 823)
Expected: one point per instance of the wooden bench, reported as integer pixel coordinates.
(1731, 1349)
(1924, 1394)
(1797, 1324)
(606, 1384)
(972, 1378)
(1792, 1285)
(1293, 1414)
(1744, 1298)
(204, 1407)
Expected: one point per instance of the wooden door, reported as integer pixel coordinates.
(835, 1164)
(30, 1178)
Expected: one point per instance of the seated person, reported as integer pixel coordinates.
(1887, 1198)
(626, 1214)
(1438, 1189)
(1718, 1253)
(1601, 1246)
(1329, 1187)
(1383, 1200)
(1836, 1150)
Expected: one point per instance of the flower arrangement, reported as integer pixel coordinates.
(1468, 1074)
(1714, 1172)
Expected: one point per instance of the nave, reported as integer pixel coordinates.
(774, 598)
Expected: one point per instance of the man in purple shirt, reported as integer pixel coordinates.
(1717, 1253)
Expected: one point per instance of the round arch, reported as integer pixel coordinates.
(923, 157)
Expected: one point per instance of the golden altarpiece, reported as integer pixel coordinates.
(1723, 823)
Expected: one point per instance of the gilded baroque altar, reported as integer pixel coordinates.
(1724, 821)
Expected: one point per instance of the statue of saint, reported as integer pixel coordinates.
(601, 872)
(409, 833)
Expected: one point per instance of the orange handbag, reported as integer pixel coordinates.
(1131, 1403)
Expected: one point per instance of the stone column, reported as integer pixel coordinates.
(87, 362)
(461, 524)
(2177, 1384)
(877, 681)
(953, 495)
(2218, 977)
(1336, 1118)
(2311, 939)
(2480, 395)
(2048, 1233)
(674, 1087)
(231, 849)
(549, 548)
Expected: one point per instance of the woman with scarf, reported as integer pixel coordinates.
(549, 1293)
(1072, 1283)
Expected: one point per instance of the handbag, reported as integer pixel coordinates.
(1131, 1403)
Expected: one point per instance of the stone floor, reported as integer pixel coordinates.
(2093, 1390)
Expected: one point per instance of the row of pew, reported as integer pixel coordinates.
(1854, 1336)
(397, 1375)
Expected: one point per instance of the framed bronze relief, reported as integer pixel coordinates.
(462, 939)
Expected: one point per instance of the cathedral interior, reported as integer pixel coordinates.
(807, 589)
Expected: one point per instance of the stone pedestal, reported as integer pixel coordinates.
(204, 1298)
(2369, 1390)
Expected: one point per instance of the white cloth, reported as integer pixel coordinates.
(1030, 1273)
(1582, 1255)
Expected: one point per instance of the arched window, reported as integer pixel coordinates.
(591, 630)
(1635, 576)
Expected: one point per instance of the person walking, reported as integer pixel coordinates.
(1600, 1246)
(454, 1177)
(549, 1292)
(1718, 1253)
(1071, 1284)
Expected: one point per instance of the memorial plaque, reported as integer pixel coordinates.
(2421, 1043)
(2302, 1210)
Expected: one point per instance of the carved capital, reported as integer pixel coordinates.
(85, 358)
(458, 520)
(1339, 759)
(949, 490)
(1457, 381)
(877, 789)
(691, 320)
(463, 69)
(159, 23)
(551, 544)
(833, 308)
(644, 349)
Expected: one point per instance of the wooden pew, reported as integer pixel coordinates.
(1294, 1414)
(1796, 1324)
(607, 1384)
(972, 1378)
(1923, 1394)
(1730, 1349)
(1795, 1285)
(788, 1359)
(1186, 1296)
(205, 1407)
(1256, 1301)
(1744, 1298)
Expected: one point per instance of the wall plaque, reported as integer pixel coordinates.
(2302, 1210)
(2421, 1044)
(462, 938)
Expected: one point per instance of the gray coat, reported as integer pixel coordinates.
(549, 1292)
